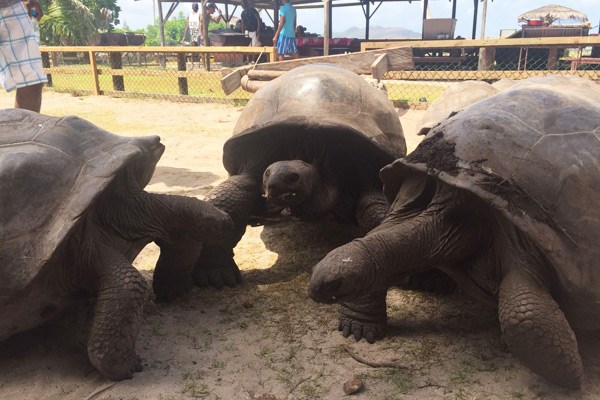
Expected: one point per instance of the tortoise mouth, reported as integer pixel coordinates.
(286, 199)
(329, 292)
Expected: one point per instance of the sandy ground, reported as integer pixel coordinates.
(266, 339)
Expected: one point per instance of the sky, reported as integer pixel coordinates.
(501, 14)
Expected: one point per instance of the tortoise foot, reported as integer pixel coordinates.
(115, 366)
(168, 288)
(370, 330)
(222, 272)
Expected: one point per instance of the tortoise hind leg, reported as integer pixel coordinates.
(237, 196)
(537, 332)
(121, 294)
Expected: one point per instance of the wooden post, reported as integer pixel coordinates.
(367, 20)
(486, 58)
(483, 18)
(94, 67)
(552, 57)
(326, 36)
(475, 5)
(46, 64)
(182, 81)
(117, 63)
(161, 23)
(205, 37)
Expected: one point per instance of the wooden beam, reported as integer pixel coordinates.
(94, 67)
(571, 41)
(380, 66)
(399, 58)
(233, 81)
(158, 49)
(360, 63)
(259, 75)
(251, 86)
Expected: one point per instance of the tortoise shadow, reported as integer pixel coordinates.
(299, 245)
(184, 181)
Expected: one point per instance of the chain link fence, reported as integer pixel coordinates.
(435, 68)
(163, 74)
(179, 74)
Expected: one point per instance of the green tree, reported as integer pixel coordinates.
(174, 28)
(74, 22)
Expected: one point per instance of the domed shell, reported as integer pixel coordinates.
(51, 171)
(455, 98)
(532, 153)
(315, 103)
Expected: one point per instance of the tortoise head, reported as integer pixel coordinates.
(289, 183)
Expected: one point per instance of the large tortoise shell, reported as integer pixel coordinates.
(51, 171)
(316, 104)
(531, 152)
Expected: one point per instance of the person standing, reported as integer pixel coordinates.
(20, 58)
(192, 25)
(285, 37)
(251, 22)
(210, 10)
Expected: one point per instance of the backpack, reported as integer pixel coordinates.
(249, 16)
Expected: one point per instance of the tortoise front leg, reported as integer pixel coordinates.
(536, 330)
(371, 208)
(121, 293)
(365, 317)
(173, 273)
(237, 196)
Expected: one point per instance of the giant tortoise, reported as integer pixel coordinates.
(314, 139)
(503, 198)
(75, 215)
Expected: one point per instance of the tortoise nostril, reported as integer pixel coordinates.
(292, 177)
(331, 286)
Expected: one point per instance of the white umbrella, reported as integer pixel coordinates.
(553, 12)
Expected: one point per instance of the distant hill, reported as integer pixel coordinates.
(378, 32)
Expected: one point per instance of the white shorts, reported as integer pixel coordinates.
(20, 58)
(255, 40)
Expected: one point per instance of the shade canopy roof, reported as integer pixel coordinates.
(270, 4)
(553, 12)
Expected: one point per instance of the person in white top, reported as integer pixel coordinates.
(193, 27)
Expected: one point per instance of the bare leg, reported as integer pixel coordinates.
(29, 97)
(537, 332)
